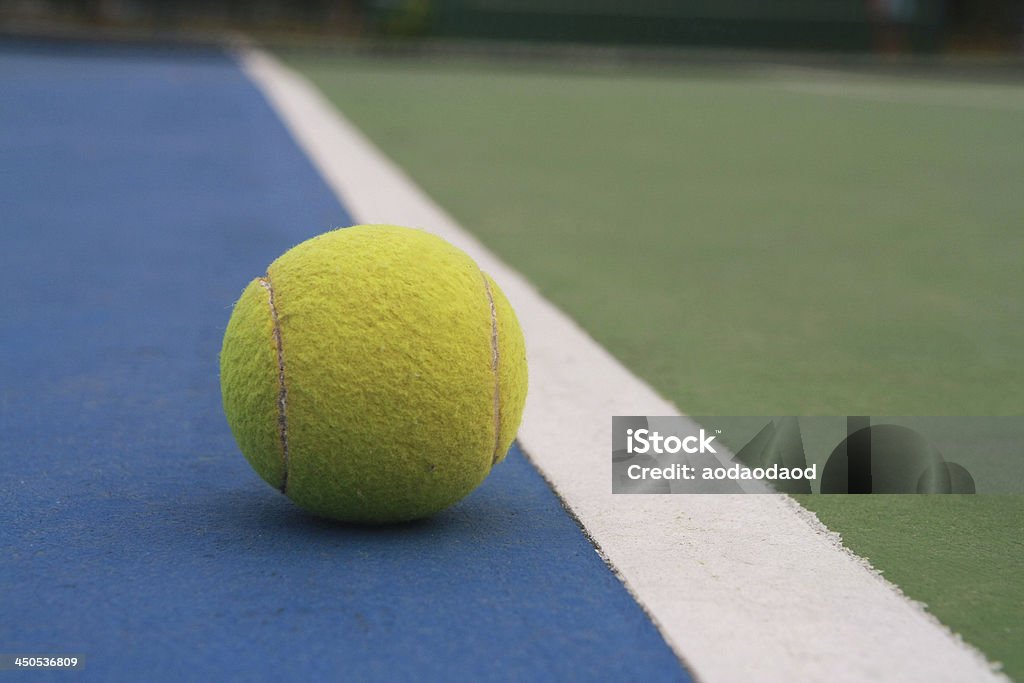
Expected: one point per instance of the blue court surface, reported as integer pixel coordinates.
(140, 191)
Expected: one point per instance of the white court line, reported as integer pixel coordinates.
(743, 588)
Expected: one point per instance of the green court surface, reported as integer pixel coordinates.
(759, 241)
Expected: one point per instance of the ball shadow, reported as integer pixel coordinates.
(257, 511)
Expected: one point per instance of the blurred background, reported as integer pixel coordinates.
(890, 27)
(760, 207)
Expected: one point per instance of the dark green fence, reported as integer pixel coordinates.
(850, 25)
(775, 24)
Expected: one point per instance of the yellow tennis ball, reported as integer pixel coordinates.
(374, 374)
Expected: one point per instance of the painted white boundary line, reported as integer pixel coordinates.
(744, 588)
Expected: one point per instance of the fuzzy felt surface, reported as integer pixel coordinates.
(512, 375)
(249, 383)
(389, 369)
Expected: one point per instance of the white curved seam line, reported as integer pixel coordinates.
(282, 391)
(495, 364)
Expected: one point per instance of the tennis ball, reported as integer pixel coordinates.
(374, 374)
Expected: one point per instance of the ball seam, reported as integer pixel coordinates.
(282, 391)
(495, 364)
